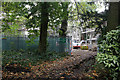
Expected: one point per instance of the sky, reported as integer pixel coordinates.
(101, 7)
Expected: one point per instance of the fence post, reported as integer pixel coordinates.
(70, 46)
(18, 42)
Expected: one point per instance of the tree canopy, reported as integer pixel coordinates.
(37, 19)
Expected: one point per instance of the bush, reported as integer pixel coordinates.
(109, 53)
(24, 58)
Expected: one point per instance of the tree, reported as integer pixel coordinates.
(11, 21)
(43, 27)
(41, 16)
(113, 19)
(65, 18)
(108, 55)
(88, 17)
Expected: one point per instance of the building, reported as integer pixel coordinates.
(74, 32)
(90, 36)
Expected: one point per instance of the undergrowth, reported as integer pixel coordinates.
(26, 58)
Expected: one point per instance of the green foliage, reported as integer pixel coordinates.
(34, 17)
(31, 39)
(109, 50)
(30, 17)
(84, 12)
(19, 57)
(87, 15)
(103, 72)
(12, 21)
(23, 58)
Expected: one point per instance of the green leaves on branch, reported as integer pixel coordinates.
(109, 52)
(110, 61)
(12, 20)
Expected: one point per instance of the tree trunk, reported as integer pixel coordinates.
(63, 28)
(113, 16)
(43, 28)
(64, 21)
(119, 13)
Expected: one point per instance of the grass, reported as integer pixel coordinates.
(26, 58)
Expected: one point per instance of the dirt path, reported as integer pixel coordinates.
(67, 68)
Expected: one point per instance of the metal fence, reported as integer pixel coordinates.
(57, 44)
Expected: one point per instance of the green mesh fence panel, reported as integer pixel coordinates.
(57, 44)
(0, 43)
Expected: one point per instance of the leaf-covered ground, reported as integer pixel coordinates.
(77, 66)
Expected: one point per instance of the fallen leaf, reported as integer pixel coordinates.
(61, 73)
(94, 74)
(11, 73)
(27, 74)
(62, 77)
(16, 74)
(15, 65)
(94, 71)
(22, 72)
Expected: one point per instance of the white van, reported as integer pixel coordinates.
(76, 43)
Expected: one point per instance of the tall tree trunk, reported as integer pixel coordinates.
(63, 28)
(43, 28)
(64, 21)
(113, 16)
(119, 13)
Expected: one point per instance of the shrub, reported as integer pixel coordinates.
(24, 58)
(109, 52)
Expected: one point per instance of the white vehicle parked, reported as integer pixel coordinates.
(76, 43)
(83, 43)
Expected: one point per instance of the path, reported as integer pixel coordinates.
(68, 67)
